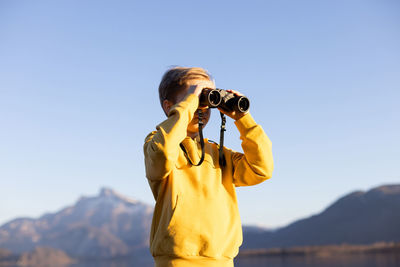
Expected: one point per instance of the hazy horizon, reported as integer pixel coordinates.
(150, 204)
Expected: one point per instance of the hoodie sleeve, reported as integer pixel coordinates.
(161, 148)
(256, 164)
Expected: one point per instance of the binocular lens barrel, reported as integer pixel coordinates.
(215, 98)
(210, 98)
(243, 104)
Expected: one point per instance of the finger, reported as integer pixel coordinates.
(235, 92)
(228, 113)
(221, 110)
(204, 84)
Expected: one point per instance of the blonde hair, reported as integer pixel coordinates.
(174, 81)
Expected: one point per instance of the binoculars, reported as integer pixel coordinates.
(215, 98)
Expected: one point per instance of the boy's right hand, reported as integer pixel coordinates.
(197, 86)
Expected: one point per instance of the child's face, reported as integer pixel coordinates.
(193, 126)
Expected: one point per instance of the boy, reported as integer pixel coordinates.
(196, 219)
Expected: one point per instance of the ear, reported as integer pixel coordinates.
(166, 105)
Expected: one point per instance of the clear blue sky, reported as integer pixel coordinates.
(78, 95)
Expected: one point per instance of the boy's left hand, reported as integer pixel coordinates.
(233, 114)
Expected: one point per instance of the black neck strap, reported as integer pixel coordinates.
(201, 123)
(222, 161)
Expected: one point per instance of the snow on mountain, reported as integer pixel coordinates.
(105, 225)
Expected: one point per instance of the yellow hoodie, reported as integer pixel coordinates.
(196, 219)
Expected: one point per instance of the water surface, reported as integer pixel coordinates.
(347, 260)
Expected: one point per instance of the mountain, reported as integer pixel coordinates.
(44, 257)
(107, 225)
(110, 225)
(357, 218)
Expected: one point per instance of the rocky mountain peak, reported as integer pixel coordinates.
(386, 190)
(107, 196)
(107, 192)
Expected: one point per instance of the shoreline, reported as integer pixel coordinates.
(323, 250)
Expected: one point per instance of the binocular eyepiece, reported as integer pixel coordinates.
(215, 98)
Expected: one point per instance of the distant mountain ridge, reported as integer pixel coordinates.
(357, 218)
(110, 225)
(106, 225)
